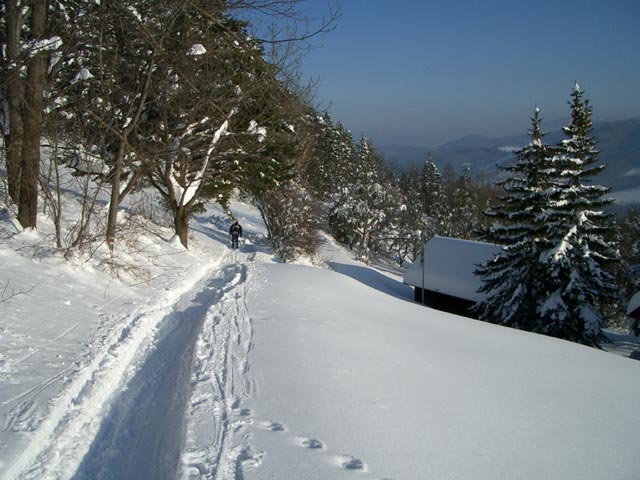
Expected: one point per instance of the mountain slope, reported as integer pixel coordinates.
(619, 143)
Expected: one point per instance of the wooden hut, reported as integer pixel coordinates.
(443, 275)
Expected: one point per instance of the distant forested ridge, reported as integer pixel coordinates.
(618, 141)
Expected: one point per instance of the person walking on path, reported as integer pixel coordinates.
(236, 232)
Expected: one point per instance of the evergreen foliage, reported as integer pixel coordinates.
(512, 280)
(628, 273)
(629, 242)
(551, 276)
(332, 168)
(410, 219)
(433, 201)
(577, 260)
(464, 207)
(360, 208)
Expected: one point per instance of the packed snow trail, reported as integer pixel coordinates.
(220, 387)
(129, 399)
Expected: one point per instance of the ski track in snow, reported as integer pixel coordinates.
(216, 415)
(185, 353)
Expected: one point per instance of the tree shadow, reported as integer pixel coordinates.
(374, 279)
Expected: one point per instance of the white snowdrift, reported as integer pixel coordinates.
(351, 379)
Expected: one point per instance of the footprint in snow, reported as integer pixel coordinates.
(347, 462)
(273, 426)
(311, 443)
(239, 410)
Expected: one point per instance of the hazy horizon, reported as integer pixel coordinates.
(549, 127)
(423, 73)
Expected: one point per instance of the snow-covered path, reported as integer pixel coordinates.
(143, 433)
(220, 386)
(170, 369)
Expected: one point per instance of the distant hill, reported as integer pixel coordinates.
(619, 142)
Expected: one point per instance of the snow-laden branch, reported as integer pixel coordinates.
(197, 49)
(185, 189)
(254, 129)
(83, 74)
(36, 47)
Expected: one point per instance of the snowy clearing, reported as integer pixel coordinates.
(227, 364)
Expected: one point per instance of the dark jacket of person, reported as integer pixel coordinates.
(235, 230)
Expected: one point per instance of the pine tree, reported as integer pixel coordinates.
(333, 168)
(512, 280)
(433, 201)
(551, 275)
(449, 186)
(629, 241)
(465, 209)
(361, 207)
(410, 218)
(579, 252)
(628, 271)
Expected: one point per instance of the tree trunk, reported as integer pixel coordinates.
(33, 118)
(112, 218)
(181, 222)
(15, 99)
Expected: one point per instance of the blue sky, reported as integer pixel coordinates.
(421, 72)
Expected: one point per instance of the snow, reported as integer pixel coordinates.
(254, 129)
(449, 266)
(83, 74)
(227, 364)
(184, 195)
(36, 47)
(197, 49)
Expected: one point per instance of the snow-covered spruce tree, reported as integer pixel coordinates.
(433, 199)
(449, 186)
(360, 208)
(393, 204)
(408, 240)
(420, 213)
(629, 241)
(512, 281)
(464, 207)
(578, 231)
(330, 173)
(331, 169)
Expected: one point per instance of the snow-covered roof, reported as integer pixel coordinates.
(449, 265)
(634, 303)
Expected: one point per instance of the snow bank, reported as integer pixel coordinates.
(348, 379)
